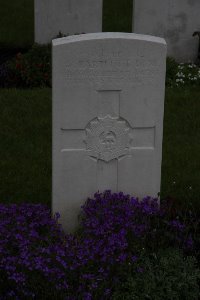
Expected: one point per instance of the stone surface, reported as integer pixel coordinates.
(175, 20)
(66, 16)
(108, 103)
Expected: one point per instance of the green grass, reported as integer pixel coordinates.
(181, 145)
(17, 20)
(117, 15)
(25, 135)
(16, 23)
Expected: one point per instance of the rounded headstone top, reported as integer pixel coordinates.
(108, 35)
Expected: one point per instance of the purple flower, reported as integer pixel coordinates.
(134, 258)
(107, 292)
(140, 270)
(114, 228)
(177, 225)
(189, 243)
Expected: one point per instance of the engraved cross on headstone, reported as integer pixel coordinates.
(107, 139)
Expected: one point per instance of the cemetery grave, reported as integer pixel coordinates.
(108, 105)
(84, 162)
(67, 17)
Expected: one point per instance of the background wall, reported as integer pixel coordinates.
(175, 20)
(67, 17)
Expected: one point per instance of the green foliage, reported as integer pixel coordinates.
(17, 23)
(178, 75)
(164, 275)
(32, 69)
(188, 74)
(117, 15)
(181, 147)
(171, 70)
(25, 134)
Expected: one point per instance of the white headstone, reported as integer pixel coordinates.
(174, 20)
(108, 104)
(66, 16)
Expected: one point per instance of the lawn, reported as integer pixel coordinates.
(181, 146)
(25, 167)
(117, 15)
(25, 134)
(16, 23)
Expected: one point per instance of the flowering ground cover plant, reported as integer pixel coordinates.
(182, 74)
(123, 249)
(188, 74)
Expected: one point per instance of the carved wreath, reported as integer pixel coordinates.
(107, 138)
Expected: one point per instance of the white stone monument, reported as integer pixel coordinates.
(108, 104)
(66, 16)
(174, 20)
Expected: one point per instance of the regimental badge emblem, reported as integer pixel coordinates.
(107, 138)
